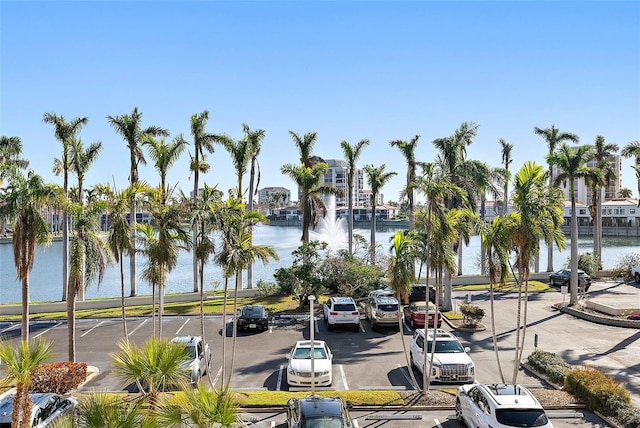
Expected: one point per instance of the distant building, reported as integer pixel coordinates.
(621, 212)
(274, 196)
(337, 177)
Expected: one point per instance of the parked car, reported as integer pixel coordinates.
(419, 293)
(299, 367)
(199, 355)
(318, 412)
(341, 311)
(382, 309)
(414, 314)
(635, 273)
(451, 362)
(253, 317)
(47, 408)
(563, 277)
(499, 406)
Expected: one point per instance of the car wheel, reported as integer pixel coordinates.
(459, 411)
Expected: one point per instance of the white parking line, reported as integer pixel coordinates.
(437, 422)
(92, 328)
(315, 325)
(182, 326)
(273, 424)
(10, 328)
(279, 383)
(355, 423)
(139, 325)
(344, 378)
(215, 379)
(47, 330)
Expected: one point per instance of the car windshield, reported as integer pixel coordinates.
(191, 351)
(522, 417)
(446, 347)
(253, 312)
(305, 353)
(322, 423)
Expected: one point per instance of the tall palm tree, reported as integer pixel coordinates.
(401, 269)
(11, 157)
(19, 360)
(506, 162)
(625, 192)
(154, 367)
(255, 144)
(305, 145)
(88, 256)
(572, 164)
(554, 138)
(81, 159)
(64, 131)
(202, 144)
(602, 155)
(408, 150)
(632, 150)
(351, 154)
(164, 154)
(538, 208)
(22, 203)
(497, 239)
(310, 182)
(377, 177)
(240, 152)
(129, 127)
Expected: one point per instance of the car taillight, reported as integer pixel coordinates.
(355, 313)
(333, 313)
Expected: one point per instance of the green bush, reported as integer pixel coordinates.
(549, 364)
(471, 314)
(622, 269)
(628, 416)
(600, 392)
(266, 289)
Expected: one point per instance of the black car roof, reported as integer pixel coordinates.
(314, 407)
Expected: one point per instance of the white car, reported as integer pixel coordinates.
(341, 311)
(451, 363)
(299, 367)
(199, 355)
(498, 406)
(47, 409)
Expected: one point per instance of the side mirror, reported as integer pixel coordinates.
(467, 349)
(288, 356)
(462, 392)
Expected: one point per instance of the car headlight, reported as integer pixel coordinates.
(325, 372)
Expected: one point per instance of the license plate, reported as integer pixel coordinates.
(252, 326)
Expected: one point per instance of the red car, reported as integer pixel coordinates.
(414, 314)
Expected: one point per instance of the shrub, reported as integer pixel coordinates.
(59, 378)
(622, 269)
(471, 314)
(549, 364)
(266, 289)
(599, 391)
(628, 416)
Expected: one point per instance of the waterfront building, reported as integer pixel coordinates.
(274, 196)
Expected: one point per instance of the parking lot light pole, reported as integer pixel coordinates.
(312, 330)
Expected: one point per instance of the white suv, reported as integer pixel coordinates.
(341, 311)
(499, 406)
(199, 355)
(451, 363)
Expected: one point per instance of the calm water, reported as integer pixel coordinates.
(47, 272)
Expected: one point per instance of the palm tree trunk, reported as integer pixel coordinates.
(372, 240)
(460, 256)
(71, 318)
(224, 333)
(574, 250)
(132, 254)
(597, 226)
(524, 319)
(234, 330)
(25, 309)
(350, 220)
(493, 329)
(161, 300)
(427, 377)
(124, 310)
(516, 363)
(194, 231)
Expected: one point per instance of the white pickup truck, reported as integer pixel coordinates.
(635, 273)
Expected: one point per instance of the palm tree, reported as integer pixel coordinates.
(305, 145)
(602, 155)
(538, 208)
(351, 154)
(632, 149)
(554, 138)
(154, 367)
(23, 203)
(130, 129)
(240, 152)
(81, 160)
(255, 143)
(19, 360)
(10, 157)
(497, 242)
(401, 269)
(571, 164)
(64, 132)
(310, 182)
(88, 256)
(203, 144)
(202, 408)
(377, 177)
(506, 161)
(408, 150)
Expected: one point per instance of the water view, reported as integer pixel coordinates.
(46, 276)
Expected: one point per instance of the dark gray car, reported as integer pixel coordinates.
(563, 277)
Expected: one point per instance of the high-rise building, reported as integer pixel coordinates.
(337, 177)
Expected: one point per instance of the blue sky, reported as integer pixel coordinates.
(347, 70)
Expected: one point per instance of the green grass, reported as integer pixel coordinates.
(511, 287)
